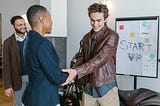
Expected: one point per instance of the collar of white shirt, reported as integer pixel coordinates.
(18, 38)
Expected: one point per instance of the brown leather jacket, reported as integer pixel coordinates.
(100, 69)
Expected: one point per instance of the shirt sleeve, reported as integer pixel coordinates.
(50, 63)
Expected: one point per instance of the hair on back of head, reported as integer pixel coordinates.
(34, 12)
(14, 18)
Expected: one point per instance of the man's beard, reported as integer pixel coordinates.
(20, 32)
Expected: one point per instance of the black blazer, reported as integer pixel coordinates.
(44, 73)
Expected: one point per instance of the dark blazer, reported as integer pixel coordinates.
(44, 73)
(11, 71)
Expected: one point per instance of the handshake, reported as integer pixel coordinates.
(72, 74)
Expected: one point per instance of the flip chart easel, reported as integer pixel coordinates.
(137, 52)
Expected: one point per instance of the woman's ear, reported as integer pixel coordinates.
(41, 19)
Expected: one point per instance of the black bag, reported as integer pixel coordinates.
(79, 82)
(74, 58)
(70, 96)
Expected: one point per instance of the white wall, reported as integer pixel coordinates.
(58, 10)
(9, 8)
(78, 25)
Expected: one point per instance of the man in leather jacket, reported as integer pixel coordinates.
(96, 60)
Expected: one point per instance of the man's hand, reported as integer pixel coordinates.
(9, 92)
(72, 74)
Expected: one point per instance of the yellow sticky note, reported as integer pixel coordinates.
(132, 34)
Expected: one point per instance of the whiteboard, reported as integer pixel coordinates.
(137, 52)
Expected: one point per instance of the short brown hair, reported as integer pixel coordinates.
(98, 7)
